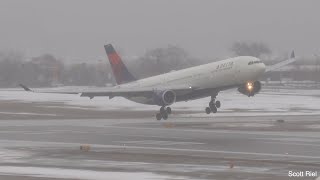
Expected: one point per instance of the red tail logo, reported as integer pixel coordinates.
(120, 71)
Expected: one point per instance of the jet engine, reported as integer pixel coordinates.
(164, 98)
(250, 88)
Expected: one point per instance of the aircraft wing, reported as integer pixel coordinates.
(281, 64)
(117, 91)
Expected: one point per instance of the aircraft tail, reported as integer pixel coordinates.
(120, 71)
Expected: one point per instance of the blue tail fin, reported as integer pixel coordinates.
(120, 71)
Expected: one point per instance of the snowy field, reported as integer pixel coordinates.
(59, 173)
(267, 102)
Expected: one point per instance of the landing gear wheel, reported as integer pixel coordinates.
(214, 110)
(218, 104)
(164, 113)
(168, 109)
(208, 110)
(212, 105)
(165, 116)
(162, 110)
(158, 116)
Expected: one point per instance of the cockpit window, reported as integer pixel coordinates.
(254, 62)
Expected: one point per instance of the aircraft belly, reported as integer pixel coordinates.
(220, 80)
(141, 100)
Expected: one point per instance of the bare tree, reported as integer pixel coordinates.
(10, 68)
(161, 60)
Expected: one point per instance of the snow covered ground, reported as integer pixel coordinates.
(59, 173)
(268, 102)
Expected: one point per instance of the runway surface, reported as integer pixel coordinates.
(192, 148)
(265, 137)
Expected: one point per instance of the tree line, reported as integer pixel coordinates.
(46, 70)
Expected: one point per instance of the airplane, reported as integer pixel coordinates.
(192, 83)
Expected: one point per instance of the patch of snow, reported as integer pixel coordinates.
(81, 174)
(12, 156)
(241, 125)
(26, 113)
(314, 126)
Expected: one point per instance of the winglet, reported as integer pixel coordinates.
(25, 87)
(292, 55)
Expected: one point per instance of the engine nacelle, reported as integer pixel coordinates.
(250, 88)
(164, 98)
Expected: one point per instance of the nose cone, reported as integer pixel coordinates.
(259, 68)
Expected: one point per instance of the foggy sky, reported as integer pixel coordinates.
(205, 28)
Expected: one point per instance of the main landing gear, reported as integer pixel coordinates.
(163, 114)
(213, 105)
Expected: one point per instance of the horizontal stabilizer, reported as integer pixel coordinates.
(25, 87)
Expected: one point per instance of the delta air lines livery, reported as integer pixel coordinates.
(188, 84)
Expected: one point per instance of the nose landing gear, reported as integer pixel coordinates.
(163, 114)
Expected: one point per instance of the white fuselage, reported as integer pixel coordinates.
(226, 73)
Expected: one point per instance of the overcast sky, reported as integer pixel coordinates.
(205, 28)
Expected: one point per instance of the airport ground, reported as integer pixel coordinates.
(133, 145)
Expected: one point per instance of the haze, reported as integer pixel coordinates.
(206, 28)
